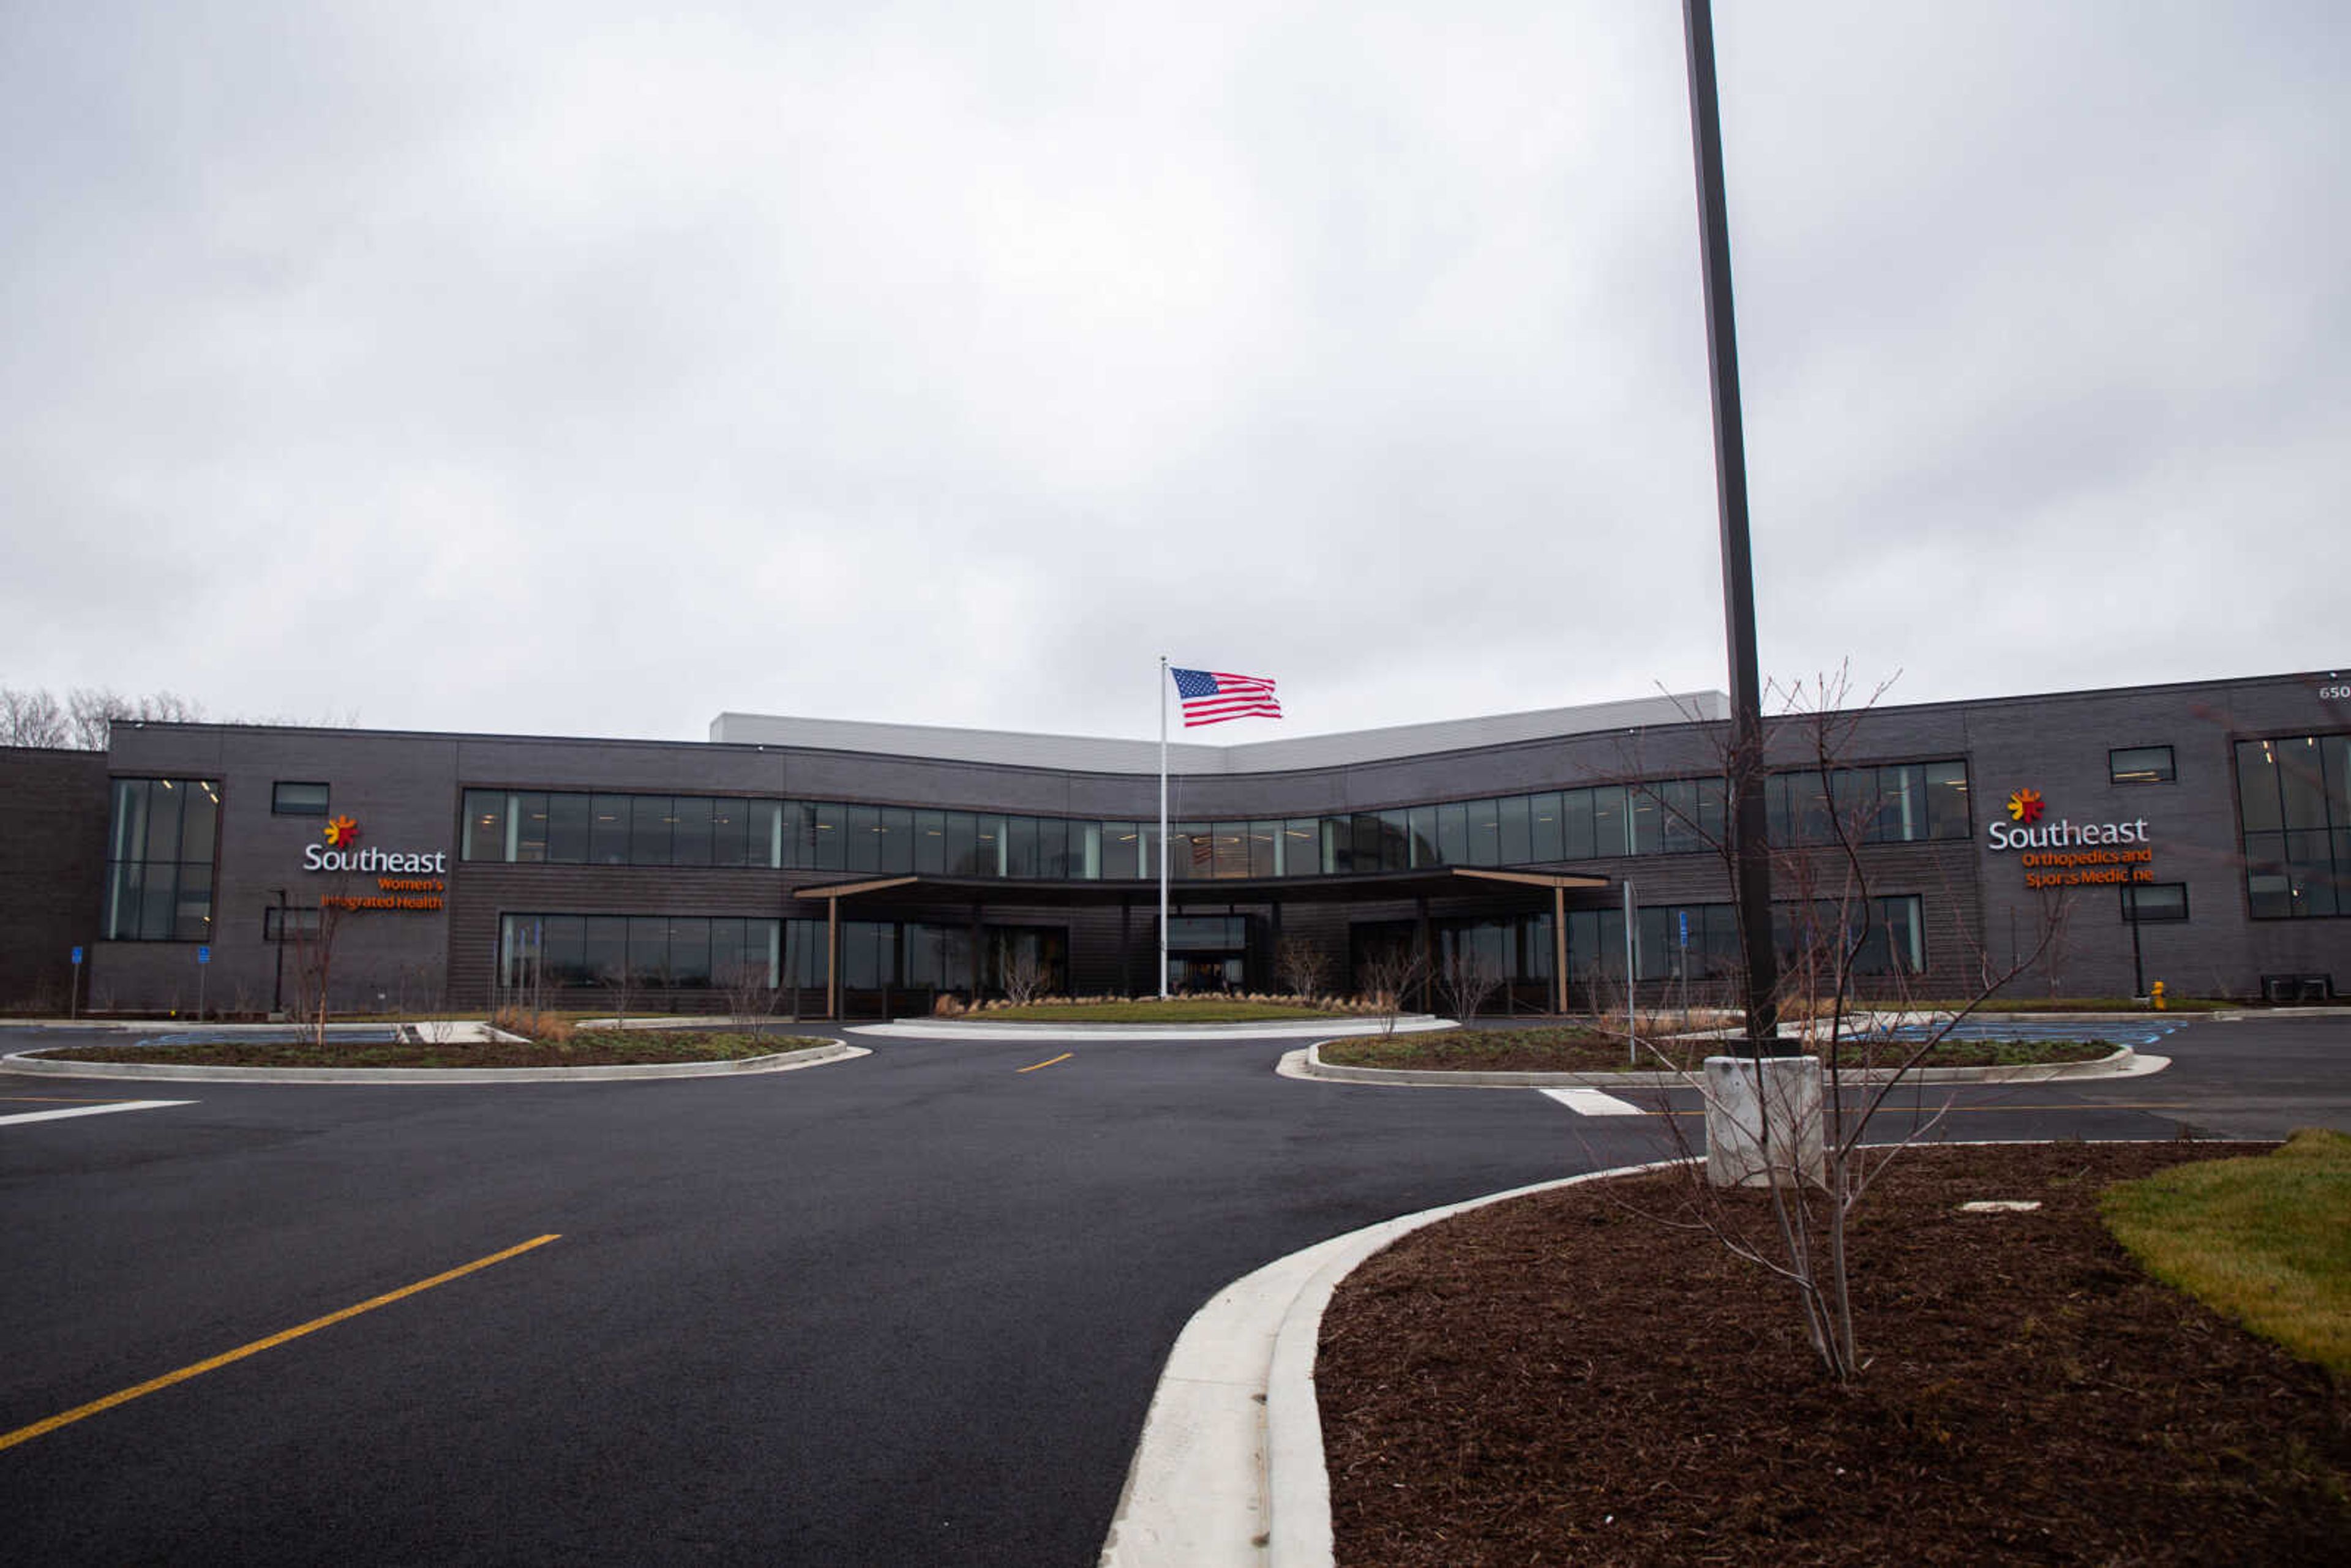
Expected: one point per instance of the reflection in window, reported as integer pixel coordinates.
(159, 874)
(2293, 804)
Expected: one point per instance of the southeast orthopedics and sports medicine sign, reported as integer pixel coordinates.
(420, 889)
(2066, 853)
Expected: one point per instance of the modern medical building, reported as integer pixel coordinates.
(866, 868)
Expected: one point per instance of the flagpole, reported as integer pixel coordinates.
(1163, 827)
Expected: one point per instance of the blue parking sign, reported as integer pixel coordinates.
(1685, 914)
(77, 957)
(203, 954)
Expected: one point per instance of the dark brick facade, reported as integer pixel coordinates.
(406, 791)
(52, 871)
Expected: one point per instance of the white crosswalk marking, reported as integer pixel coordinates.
(91, 1111)
(1593, 1102)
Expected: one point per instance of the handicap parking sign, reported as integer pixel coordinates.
(203, 954)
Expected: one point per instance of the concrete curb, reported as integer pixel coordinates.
(1229, 1471)
(2124, 1062)
(181, 1073)
(1108, 1033)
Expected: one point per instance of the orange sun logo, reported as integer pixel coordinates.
(341, 831)
(2024, 805)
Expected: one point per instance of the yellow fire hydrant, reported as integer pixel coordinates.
(2154, 994)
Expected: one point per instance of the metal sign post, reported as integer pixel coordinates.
(73, 997)
(203, 962)
(1632, 1033)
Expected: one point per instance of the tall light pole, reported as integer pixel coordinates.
(1749, 841)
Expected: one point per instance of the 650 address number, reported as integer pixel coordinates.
(2334, 693)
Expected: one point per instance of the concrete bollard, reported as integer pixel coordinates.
(1740, 1111)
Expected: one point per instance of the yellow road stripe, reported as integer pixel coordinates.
(1035, 1065)
(25, 1434)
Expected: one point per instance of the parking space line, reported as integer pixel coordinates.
(27, 1434)
(1048, 1063)
(90, 1111)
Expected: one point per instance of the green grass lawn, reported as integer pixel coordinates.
(1574, 1049)
(1175, 1010)
(2266, 1240)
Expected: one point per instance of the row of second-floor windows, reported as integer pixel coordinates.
(1895, 804)
(2294, 798)
(159, 859)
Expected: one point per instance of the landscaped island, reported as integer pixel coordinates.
(1574, 1048)
(582, 1048)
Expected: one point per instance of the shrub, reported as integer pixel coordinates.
(550, 1028)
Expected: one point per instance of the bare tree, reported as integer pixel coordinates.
(1021, 970)
(1390, 972)
(313, 946)
(1303, 965)
(1812, 1156)
(750, 995)
(94, 711)
(1467, 977)
(32, 718)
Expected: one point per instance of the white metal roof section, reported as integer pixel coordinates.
(1096, 754)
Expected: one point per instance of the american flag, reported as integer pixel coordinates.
(1214, 697)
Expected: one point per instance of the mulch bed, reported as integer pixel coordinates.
(1576, 1049)
(609, 1047)
(1570, 1378)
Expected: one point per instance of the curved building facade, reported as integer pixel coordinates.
(2088, 842)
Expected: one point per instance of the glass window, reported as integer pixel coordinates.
(1365, 837)
(2140, 765)
(1085, 861)
(764, 840)
(291, 800)
(1020, 847)
(1647, 809)
(1302, 847)
(963, 844)
(608, 830)
(993, 844)
(129, 839)
(485, 830)
(1420, 822)
(1122, 852)
(285, 923)
(897, 838)
(563, 950)
(1518, 836)
(1484, 832)
(647, 951)
(526, 829)
(1452, 833)
(796, 831)
(164, 820)
(1544, 843)
(649, 824)
(731, 839)
(2302, 782)
(1946, 785)
(1902, 806)
(1264, 844)
(689, 951)
(829, 842)
(690, 831)
(570, 828)
(862, 829)
(2154, 901)
(1575, 825)
(1609, 832)
(1053, 848)
(930, 843)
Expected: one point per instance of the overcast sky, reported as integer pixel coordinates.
(588, 368)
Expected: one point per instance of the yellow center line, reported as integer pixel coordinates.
(1035, 1065)
(27, 1434)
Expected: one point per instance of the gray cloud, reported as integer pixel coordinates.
(577, 369)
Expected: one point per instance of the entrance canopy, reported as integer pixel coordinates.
(1522, 888)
